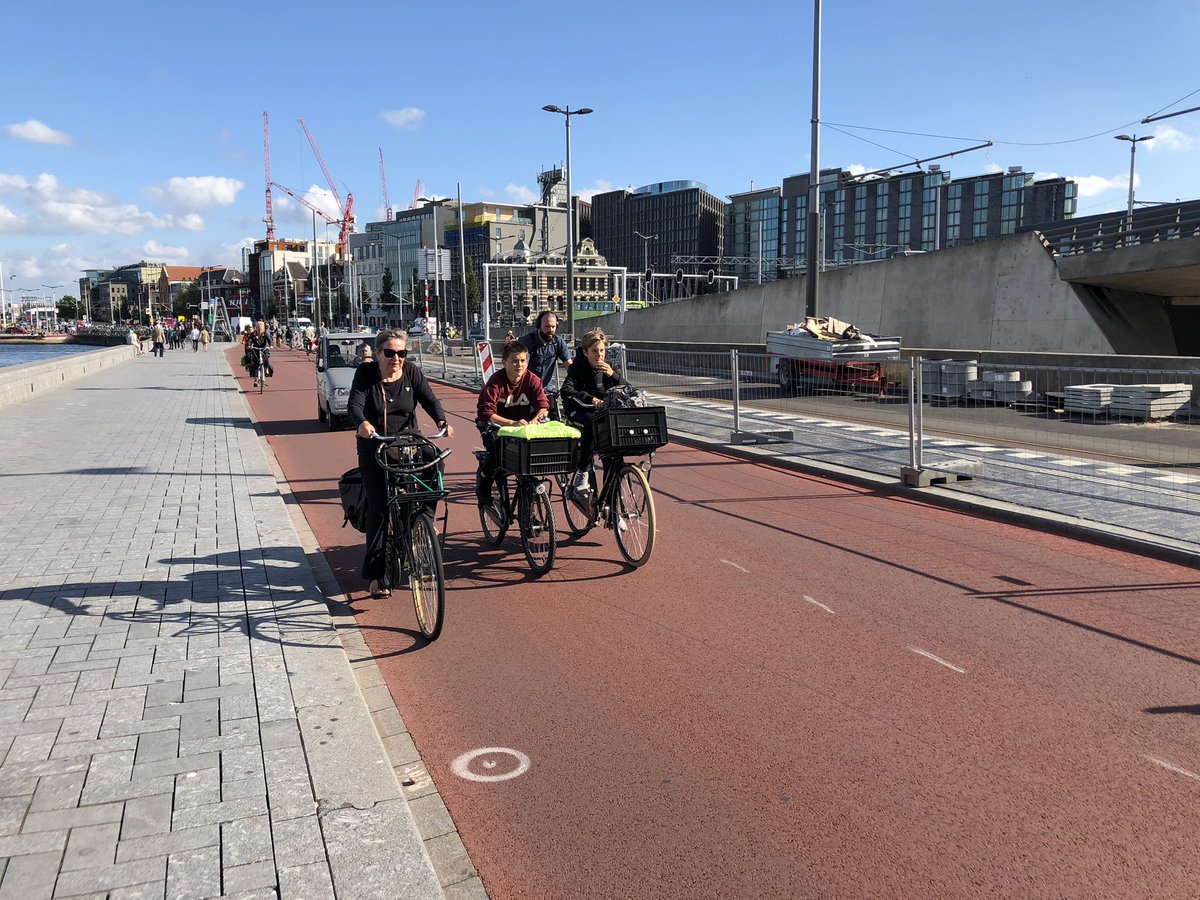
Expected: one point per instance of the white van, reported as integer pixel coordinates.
(299, 323)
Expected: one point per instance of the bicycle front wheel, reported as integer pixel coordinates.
(633, 515)
(426, 577)
(537, 527)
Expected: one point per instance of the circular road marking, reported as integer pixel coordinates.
(462, 764)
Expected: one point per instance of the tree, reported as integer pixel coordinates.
(341, 306)
(386, 296)
(186, 299)
(68, 308)
(472, 292)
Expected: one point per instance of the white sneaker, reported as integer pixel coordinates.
(580, 483)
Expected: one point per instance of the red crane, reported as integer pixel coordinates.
(331, 220)
(270, 217)
(387, 204)
(416, 194)
(346, 209)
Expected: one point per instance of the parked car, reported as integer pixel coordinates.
(476, 334)
(337, 358)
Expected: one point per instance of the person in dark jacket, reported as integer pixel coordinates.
(384, 397)
(512, 396)
(588, 377)
(546, 349)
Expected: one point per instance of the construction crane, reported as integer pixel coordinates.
(346, 222)
(270, 217)
(387, 204)
(416, 194)
(330, 220)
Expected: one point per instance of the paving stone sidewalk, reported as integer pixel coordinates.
(177, 715)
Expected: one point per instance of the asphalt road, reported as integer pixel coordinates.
(811, 690)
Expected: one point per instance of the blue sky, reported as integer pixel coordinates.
(133, 130)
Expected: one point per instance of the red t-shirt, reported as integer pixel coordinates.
(512, 401)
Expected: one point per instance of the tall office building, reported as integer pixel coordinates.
(675, 217)
(866, 219)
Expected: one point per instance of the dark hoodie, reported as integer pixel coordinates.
(583, 383)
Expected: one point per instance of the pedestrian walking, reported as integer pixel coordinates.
(204, 337)
(159, 338)
(195, 338)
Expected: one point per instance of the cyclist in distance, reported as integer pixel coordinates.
(383, 398)
(583, 389)
(546, 349)
(512, 396)
(259, 340)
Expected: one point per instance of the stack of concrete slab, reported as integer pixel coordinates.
(1005, 386)
(1149, 401)
(947, 378)
(1089, 399)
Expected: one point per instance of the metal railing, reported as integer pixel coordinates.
(1119, 446)
(1110, 231)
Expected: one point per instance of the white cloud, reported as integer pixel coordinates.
(37, 132)
(1091, 185)
(196, 192)
(152, 249)
(45, 206)
(1171, 139)
(288, 210)
(856, 169)
(409, 118)
(518, 193)
(992, 168)
(487, 193)
(600, 187)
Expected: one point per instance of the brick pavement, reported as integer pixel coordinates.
(177, 715)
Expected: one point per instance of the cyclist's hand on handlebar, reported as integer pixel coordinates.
(365, 430)
(597, 402)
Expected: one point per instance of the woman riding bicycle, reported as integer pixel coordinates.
(588, 377)
(384, 398)
(258, 350)
(512, 396)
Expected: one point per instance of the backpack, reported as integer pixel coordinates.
(624, 396)
(354, 499)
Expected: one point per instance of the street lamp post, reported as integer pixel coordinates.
(1133, 142)
(566, 114)
(646, 239)
(54, 306)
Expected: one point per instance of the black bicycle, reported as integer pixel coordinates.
(532, 463)
(624, 503)
(412, 546)
(259, 367)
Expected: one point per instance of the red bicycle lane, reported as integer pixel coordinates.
(749, 713)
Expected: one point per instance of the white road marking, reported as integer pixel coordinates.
(1070, 462)
(1025, 454)
(938, 660)
(462, 764)
(1172, 768)
(1118, 470)
(1177, 479)
(735, 565)
(808, 599)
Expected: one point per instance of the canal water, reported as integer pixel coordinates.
(19, 354)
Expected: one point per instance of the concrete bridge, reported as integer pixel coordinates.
(1093, 286)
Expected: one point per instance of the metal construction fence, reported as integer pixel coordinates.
(1117, 446)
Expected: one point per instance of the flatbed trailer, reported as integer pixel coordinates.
(804, 363)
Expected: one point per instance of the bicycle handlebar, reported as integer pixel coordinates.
(409, 439)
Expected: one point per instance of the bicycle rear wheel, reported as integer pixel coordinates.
(580, 509)
(536, 517)
(633, 515)
(426, 577)
(493, 519)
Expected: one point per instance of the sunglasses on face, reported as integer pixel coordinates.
(392, 354)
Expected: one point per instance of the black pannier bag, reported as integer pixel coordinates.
(354, 499)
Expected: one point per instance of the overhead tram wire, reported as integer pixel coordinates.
(1086, 137)
(1169, 105)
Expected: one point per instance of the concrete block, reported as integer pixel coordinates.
(91, 846)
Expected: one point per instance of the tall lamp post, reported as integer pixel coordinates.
(54, 306)
(566, 114)
(1133, 142)
(646, 239)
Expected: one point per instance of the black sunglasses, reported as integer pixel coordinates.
(392, 354)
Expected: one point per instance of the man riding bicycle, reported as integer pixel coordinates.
(546, 349)
(512, 396)
(588, 378)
